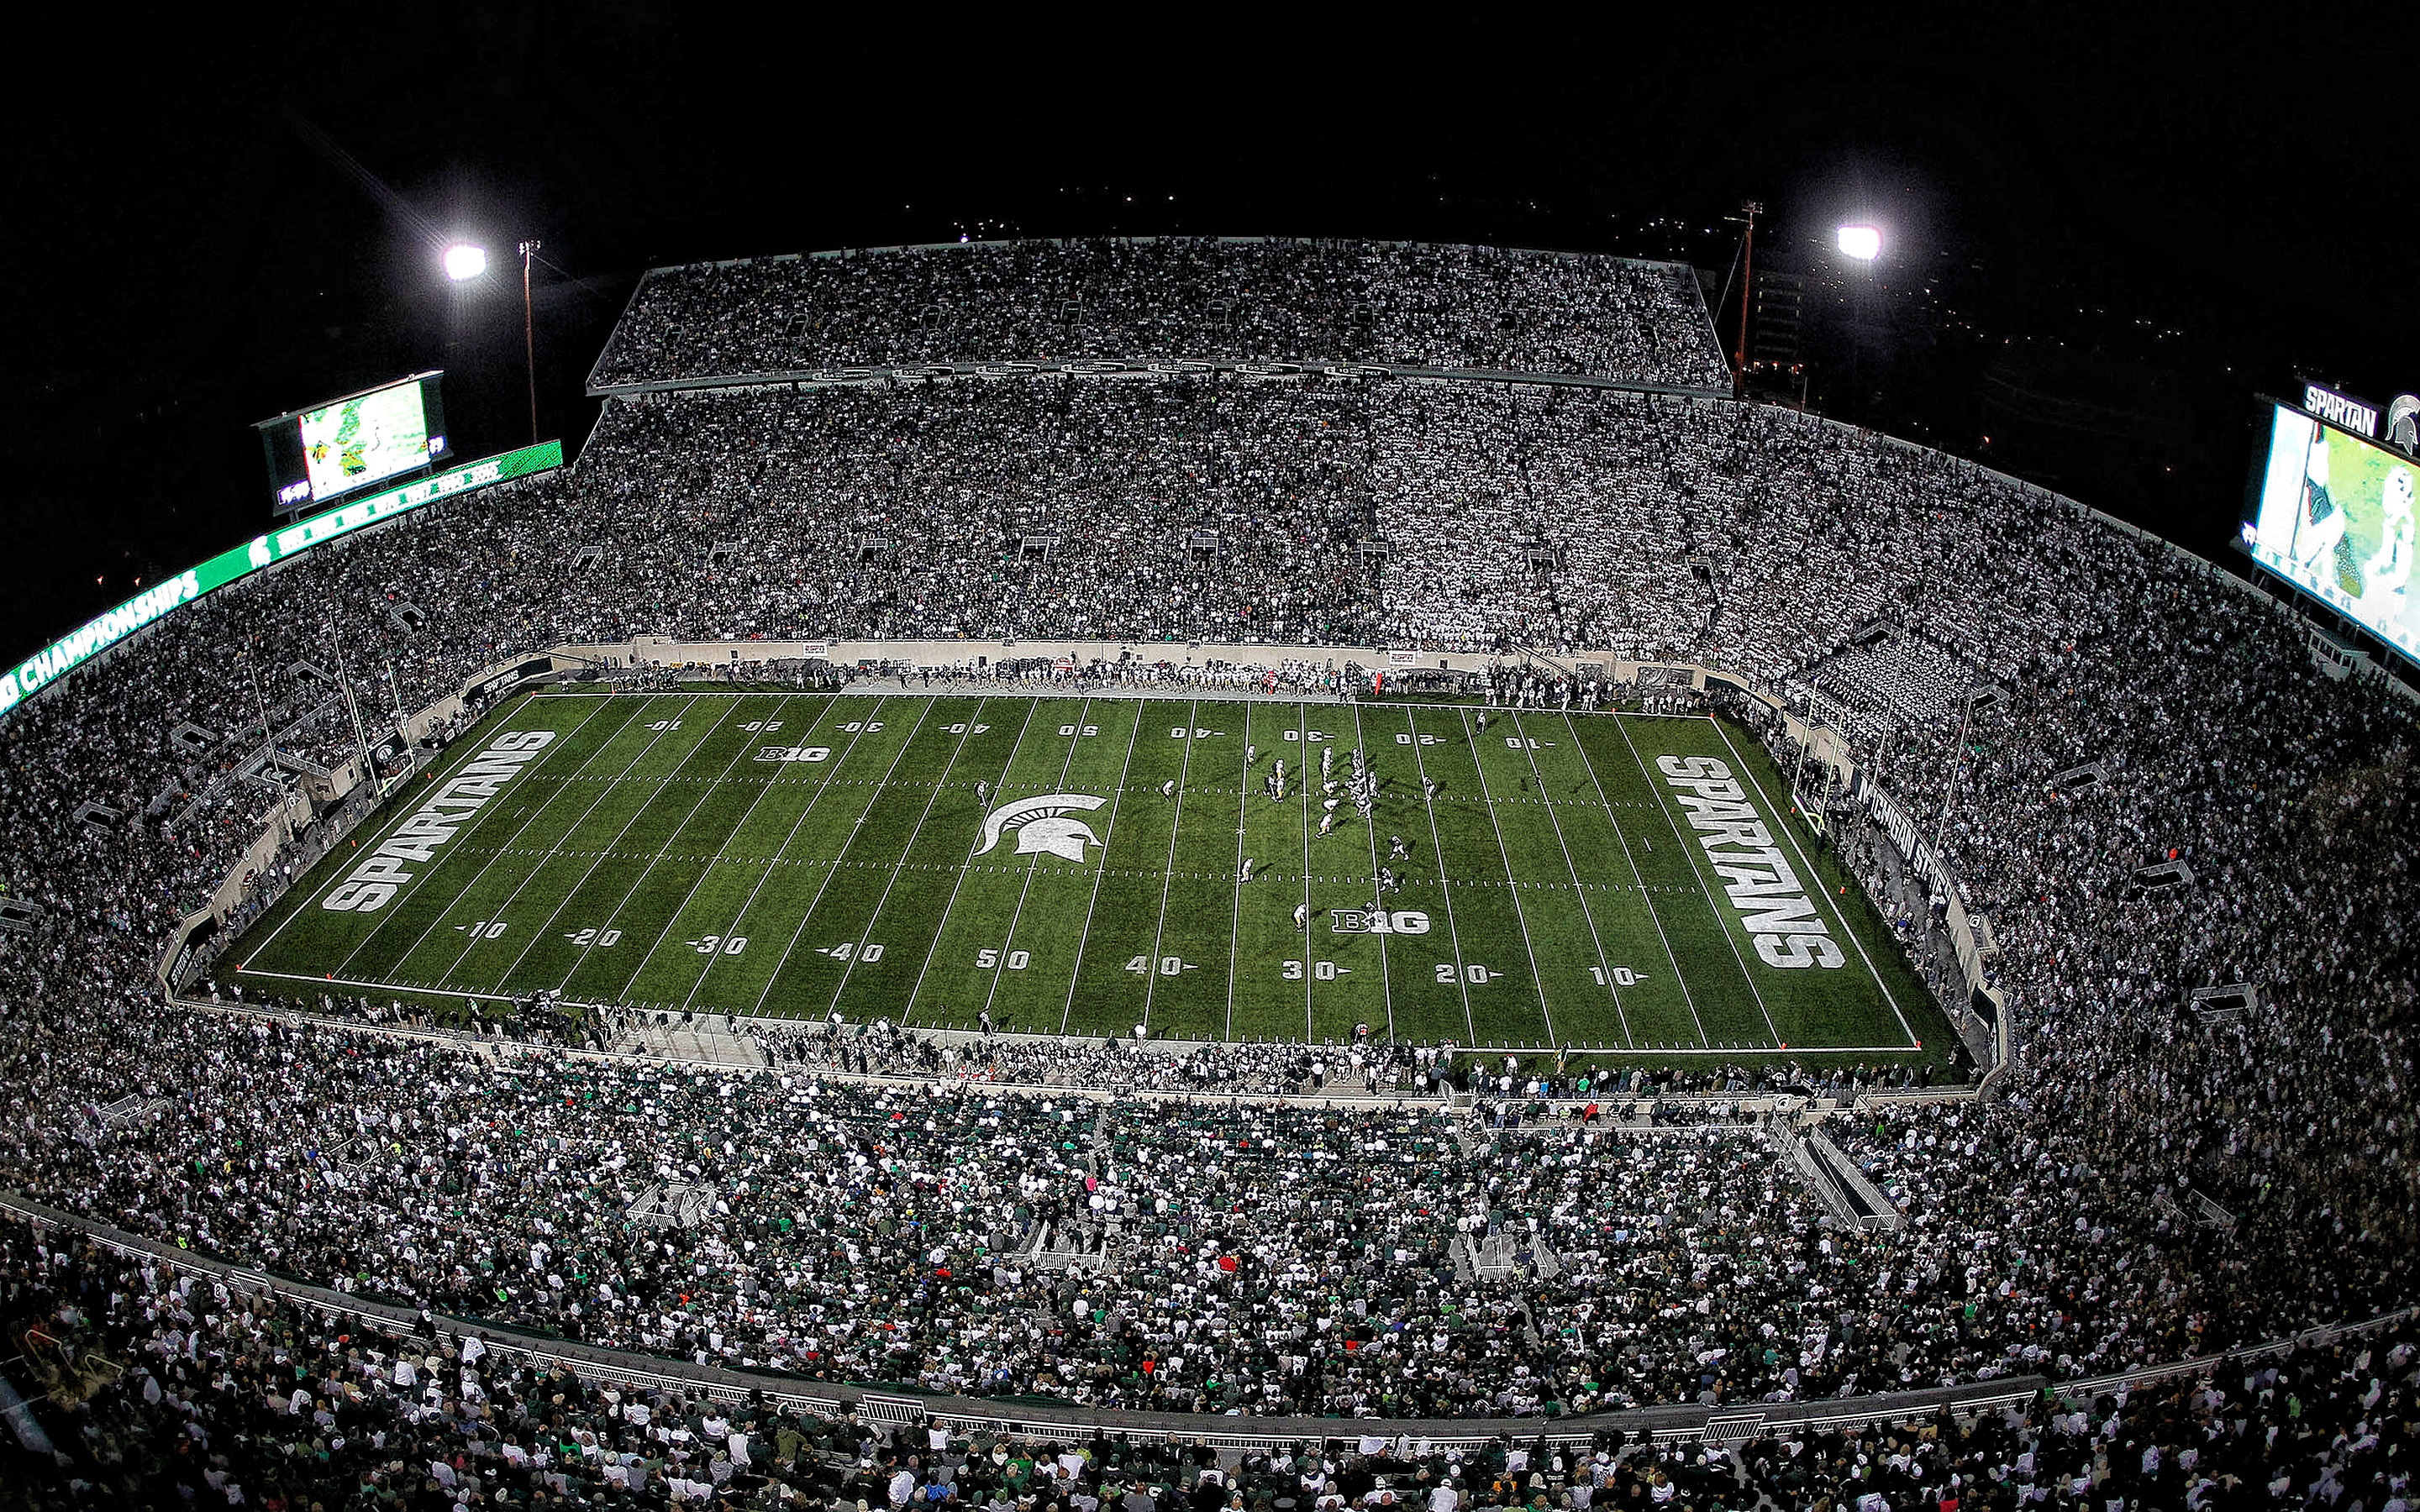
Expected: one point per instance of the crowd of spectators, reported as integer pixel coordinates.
(1169, 299)
(2150, 1179)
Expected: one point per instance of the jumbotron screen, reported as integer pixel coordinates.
(2332, 514)
(322, 453)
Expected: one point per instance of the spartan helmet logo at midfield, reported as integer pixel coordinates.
(1041, 824)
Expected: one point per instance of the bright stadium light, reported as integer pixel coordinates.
(464, 261)
(1863, 243)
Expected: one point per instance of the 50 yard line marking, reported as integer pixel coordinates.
(1076, 972)
(602, 789)
(1168, 874)
(1694, 853)
(471, 749)
(705, 792)
(1840, 916)
(1579, 889)
(1520, 915)
(1074, 743)
(966, 732)
(941, 925)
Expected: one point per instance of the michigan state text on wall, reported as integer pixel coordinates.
(1771, 900)
(415, 840)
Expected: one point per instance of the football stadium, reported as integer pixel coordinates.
(1040, 878)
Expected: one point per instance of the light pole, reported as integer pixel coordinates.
(529, 336)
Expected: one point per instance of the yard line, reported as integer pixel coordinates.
(1302, 722)
(1370, 760)
(1636, 876)
(942, 926)
(1698, 870)
(641, 958)
(471, 749)
(757, 1011)
(1168, 873)
(1075, 972)
(966, 732)
(706, 790)
(602, 789)
(1603, 962)
(1808, 870)
(1437, 847)
(1034, 865)
(1520, 915)
(1235, 922)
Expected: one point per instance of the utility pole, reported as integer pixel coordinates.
(529, 336)
(345, 681)
(1749, 210)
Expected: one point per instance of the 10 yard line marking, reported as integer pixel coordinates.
(602, 789)
(674, 917)
(1640, 877)
(1036, 864)
(966, 732)
(1840, 915)
(471, 749)
(1578, 889)
(1520, 915)
(1168, 873)
(705, 792)
(1076, 972)
(1693, 851)
(940, 926)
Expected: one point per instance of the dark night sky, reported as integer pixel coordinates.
(193, 253)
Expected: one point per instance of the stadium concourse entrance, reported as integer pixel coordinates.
(1059, 856)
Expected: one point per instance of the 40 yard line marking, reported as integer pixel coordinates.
(832, 870)
(1065, 766)
(1695, 853)
(602, 789)
(1168, 873)
(1808, 870)
(1579, 889)
(966, 732)
(461, 758)
(942, 926)
(1520, 915)
(705, 791)
(1236, 920)
(1076, 973)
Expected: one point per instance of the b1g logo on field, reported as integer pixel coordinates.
(1041, 824)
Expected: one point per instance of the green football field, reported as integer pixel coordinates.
(791, 855)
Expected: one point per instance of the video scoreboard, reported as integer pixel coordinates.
(2331, 511)
(324, 453)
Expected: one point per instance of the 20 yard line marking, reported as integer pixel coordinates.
(1520, 915)
(1076, 972)
(603, 790)
(1437, 843)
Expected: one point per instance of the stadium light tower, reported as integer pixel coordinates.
(1863, 243)
(529, 336)
(464, 262)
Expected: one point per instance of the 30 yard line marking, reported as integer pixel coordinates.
(1076, 972)
(966, 732)
(799, 931)
(705, 792)
(1695, 854)
(1370, 761)
(602, 789)
(1604, 961)
(1437, 843)
(1302, 722)
(1740, 766)
(1520, 915)
(1075, 741)
(940, 926)
(1168, 874)
(469, 751)
(1670, 958)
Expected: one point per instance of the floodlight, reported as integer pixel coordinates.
(465, 261)
(1863, 243)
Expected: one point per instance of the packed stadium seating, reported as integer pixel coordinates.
(2146, 1181)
